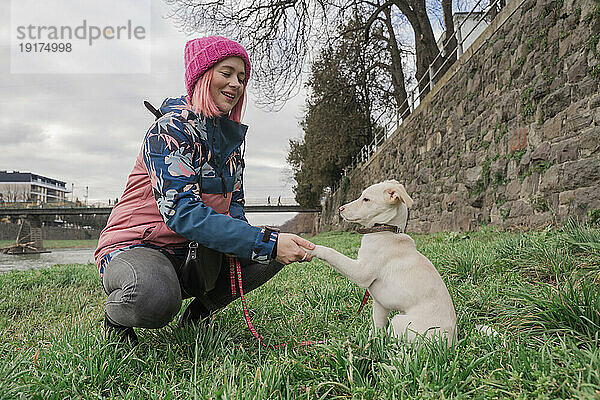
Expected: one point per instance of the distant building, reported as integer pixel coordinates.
(24, 186)
(468, 27)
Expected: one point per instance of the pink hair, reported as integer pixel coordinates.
(204, 104)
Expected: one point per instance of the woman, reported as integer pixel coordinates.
(187, 185)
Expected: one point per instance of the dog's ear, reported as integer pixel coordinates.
(397, 193)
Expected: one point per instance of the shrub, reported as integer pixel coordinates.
(571, 308)
(541, 256)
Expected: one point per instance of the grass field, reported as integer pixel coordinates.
(539, 290)
(59, 244)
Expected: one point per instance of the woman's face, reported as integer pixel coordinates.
(227, 86)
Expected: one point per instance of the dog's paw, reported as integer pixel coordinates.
(317, 251)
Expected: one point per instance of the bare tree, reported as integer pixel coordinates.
(279, 35)
(13, 192)
(282, 36)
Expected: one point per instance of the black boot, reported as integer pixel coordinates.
(120, 333)
(195, 313)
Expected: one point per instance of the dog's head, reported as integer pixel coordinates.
(383, 203)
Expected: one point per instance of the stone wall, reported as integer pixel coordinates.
(510, 134)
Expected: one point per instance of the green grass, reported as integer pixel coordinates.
(539, 290)
(60, 244)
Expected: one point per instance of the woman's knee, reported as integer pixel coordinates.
(144, 289)
(155, 309)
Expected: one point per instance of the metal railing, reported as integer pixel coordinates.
(413, 96)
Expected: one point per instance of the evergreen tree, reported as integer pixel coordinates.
(337, 123)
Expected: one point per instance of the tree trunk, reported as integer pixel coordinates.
(450, 39)
(425, 45)
(396, 70)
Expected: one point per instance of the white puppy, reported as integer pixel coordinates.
(392, 269)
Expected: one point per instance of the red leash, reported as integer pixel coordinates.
(364, 301)
(236, 269)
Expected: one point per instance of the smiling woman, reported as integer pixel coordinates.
(181, 219)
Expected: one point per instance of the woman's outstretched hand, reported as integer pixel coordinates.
(290, 248)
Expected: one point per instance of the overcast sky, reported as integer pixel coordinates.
(86, 129)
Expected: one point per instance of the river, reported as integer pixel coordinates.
(35, 261)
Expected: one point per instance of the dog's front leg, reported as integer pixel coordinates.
(351, 269)
(380, 315)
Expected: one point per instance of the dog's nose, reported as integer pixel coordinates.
(342, 208)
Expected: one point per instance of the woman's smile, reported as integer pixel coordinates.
(229, 95)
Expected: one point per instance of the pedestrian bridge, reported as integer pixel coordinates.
(58, 211)
(29, 239)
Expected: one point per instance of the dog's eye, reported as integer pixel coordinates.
(365, 199)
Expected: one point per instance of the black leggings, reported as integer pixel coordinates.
(144, 291)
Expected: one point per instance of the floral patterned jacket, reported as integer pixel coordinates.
(186, 185)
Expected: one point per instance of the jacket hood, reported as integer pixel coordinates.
(176, 105)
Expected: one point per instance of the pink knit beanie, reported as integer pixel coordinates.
(202, 53)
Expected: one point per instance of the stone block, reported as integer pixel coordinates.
(553, 34)
(536, 12)
(558, 82)
(498, 46)
(520, 208)
(504, 78)
(579, 121)
(525, 159)
(449, 202)
(495, 216)
(463, 223)
(489, 136)
(585, 88)
(541, 153)
(564, 46)
(576, 203)
(566, 197)
(511, 169)
(513, 189)
(540, 221)
(581, 173)
(509, 107)
(556, 102)
(552, 128)
(472, 175)
(431, 227)
(550, 179)
(566, 150)
(594, 101)
(571, 22)
(460, 110)
(587, 7)
(578, 70)
(540, 89)
(590, 141)
(521, 52)
(467, 160)
(497, 167)
(424, 176)
(477, 201)
(528, 186)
